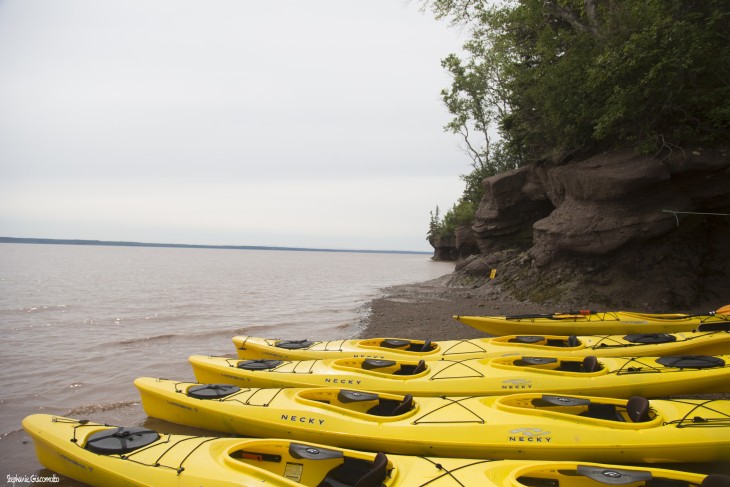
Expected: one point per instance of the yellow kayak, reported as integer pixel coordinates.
(518, 426)
(634, 345)
(589, 323)
(64, 445)
(605, 376)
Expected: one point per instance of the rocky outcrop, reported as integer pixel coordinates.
(604, 203)
(512, 202)
(607, 226)
(444, 248)
(465, 241)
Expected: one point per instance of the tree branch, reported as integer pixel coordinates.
(570, 17)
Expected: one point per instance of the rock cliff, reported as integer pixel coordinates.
(617, 229)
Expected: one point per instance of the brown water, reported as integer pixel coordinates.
(80, 323)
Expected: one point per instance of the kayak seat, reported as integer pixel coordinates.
(357, 473)
(391, 407)
(638, 409)
(405, 406)
(590, 364)
(571, 342)
(411, 369)
(603, 411)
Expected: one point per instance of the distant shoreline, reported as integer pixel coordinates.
(193, 246)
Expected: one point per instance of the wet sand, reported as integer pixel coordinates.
(426, 310)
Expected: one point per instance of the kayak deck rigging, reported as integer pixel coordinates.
(165, 445)
(698, 421)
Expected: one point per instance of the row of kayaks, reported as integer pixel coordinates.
(537, 410)
(414, 434)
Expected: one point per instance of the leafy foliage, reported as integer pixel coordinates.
(445, 227)
(562, 77)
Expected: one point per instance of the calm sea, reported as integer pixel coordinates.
(80, 323)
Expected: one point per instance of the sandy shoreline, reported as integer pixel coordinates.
(425, 310)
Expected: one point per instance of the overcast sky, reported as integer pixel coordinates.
(287, 123)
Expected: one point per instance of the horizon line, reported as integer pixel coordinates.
(121, 243)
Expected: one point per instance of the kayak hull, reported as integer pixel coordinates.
(623, 345)
(609, 323)
(507, 427)
(284, 463)
(605, 376)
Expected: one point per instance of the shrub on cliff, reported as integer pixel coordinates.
(564, 76)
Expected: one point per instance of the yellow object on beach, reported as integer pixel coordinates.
(176, 460)
(605, 376)
(518, 426)
(633, 345)
(589, 322)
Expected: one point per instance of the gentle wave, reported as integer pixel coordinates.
(35, 309)
(82, 322)
(147, 339)
(192, 335)
(100, 408)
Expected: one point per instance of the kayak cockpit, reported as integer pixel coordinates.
(561, 342)
(310, 465)
(634, 413)
(382, 368)
(585, 365)
(368, 405)
(416, 347)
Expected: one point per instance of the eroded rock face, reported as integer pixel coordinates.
(513, 201)
(443, 248)
(606, 202)
(619, 212)
(466, 241)
(599, 227)
(597, 206)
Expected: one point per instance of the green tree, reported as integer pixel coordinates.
(560, 78)
(573, 76)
